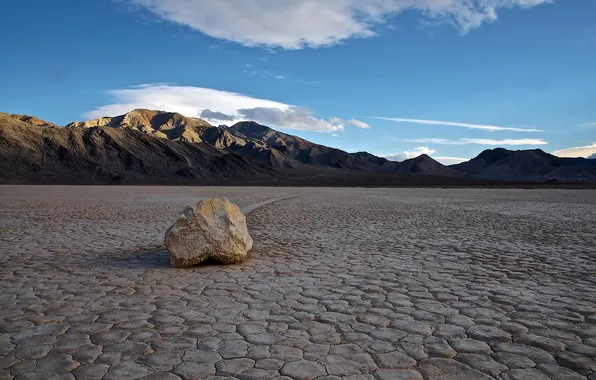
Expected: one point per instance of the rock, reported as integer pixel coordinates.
(514, 361)
(449, 369)
(537, 355)
(303, 370)
(471, 346)
(523, 374)
(482, 363)
(435, 346)
(557, 372)
(541, 342)
(234, 367)
(127, 370)
(213, 228)
(394, 360)
(413, 327)
(91, 371)
(341, 366)
(489, 334)
(577, 362)
(194, 370)
(398, 374)
(55, 363)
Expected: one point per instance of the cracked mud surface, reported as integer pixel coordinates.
(342, 283)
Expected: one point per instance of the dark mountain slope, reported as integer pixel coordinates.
(29, 153)
(426, 165)
(145, 146)
(298, 151)
(527, 165)
(258, 143)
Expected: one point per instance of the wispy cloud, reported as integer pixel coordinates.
(217, 107)
(432, 141)
(252, 71)
(315, 23)
(309, 82)
(578, 151)
(484, 127)
(207, 114)
(222, 49)
(298, 118)
(487, 142)
(586, 126)
(505, 142)
(358, 123)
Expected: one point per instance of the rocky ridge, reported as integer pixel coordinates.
(157, 147)
(527, 165)
(31, 153)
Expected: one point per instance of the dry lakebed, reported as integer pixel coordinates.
(386, 284)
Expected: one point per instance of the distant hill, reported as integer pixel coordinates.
(156, 147)
(169, 125)
(31, 153)
(287, 151)
(32, 120)
(527, 165)
(145, 146)
(259, 143)
(424, 164)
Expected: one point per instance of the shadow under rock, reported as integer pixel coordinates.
(154, 259)
(138, 260)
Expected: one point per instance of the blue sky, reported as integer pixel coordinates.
(392, 77)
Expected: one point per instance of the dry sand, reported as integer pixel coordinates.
(342, 283)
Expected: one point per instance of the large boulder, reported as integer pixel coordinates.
(213, 228)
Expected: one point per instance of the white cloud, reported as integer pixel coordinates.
(292, 118)
(432, 141)
(358, 123)
(488, 142)
(580, 151)
(263, 73)
(295, 24)
(505, 142)
(491, 128)
(187, 100)
(406, 155)
(451, 160)
(215, 106)
(207, 114)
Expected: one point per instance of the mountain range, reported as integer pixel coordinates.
(156, 147)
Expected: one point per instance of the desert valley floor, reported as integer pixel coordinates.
(342, 283)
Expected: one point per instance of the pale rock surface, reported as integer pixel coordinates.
(214, 228)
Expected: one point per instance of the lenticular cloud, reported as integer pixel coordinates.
(217, 107)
